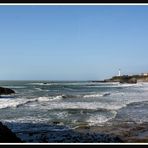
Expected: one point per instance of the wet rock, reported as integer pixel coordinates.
(7, 136)
(56, 122)
(77, 137)
(127, 79)
(6, 91)
(132, 80)
(44, 83)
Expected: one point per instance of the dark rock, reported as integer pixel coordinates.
(6, 91)
(56, 122)
(45, 83)
(132, 80)
(123, 79)
(7, 136)
(128, 80)
(106, 94)
(77, 137)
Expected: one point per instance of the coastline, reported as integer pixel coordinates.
(125, 79)
(114, 132)
(128, 132)
(117, 130)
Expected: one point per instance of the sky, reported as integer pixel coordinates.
(72, 42)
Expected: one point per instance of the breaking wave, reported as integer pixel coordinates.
(40, 84)
(6, 103)
(96, 95)
(100, 118)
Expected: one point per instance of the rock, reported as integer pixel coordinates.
(78, 137)
(56, 122)
(7, 136)
(6, 91)
(128, 80)
(106, 94)
(132, 80)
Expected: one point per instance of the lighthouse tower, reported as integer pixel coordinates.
(119, 73)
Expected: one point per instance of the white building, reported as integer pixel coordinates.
(144, 74)
(119, 73)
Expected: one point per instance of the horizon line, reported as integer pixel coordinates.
(75, 4)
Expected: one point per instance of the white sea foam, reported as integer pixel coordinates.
(124, 85)
(92, 119)
(114, 85)
(79, 105)
(96, 95)
(50, 98)
(27, 119)
(15, 102)
(39, 89)
(128, 85)
(57, 97)
(5, 103)
(40, 84)
(100, 118)
(15, 86)
(92, 95)
(41, 99)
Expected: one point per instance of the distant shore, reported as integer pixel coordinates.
(125, 79)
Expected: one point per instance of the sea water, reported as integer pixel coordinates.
(42, 106)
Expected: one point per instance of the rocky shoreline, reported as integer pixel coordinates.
(115, 132)
(6, 135)
(126, 79)
(128, 132)
(65, 136)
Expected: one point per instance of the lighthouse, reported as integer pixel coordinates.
(119, 72)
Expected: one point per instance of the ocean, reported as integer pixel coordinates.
(45, 106)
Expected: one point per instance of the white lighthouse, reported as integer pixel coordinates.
(119, 72)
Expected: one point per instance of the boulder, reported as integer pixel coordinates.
(132, 80)
(128, 80)
(6, 91)
(7, 136)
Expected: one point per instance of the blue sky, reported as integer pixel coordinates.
(72, 42)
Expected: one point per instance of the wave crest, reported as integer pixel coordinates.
(96, 95)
